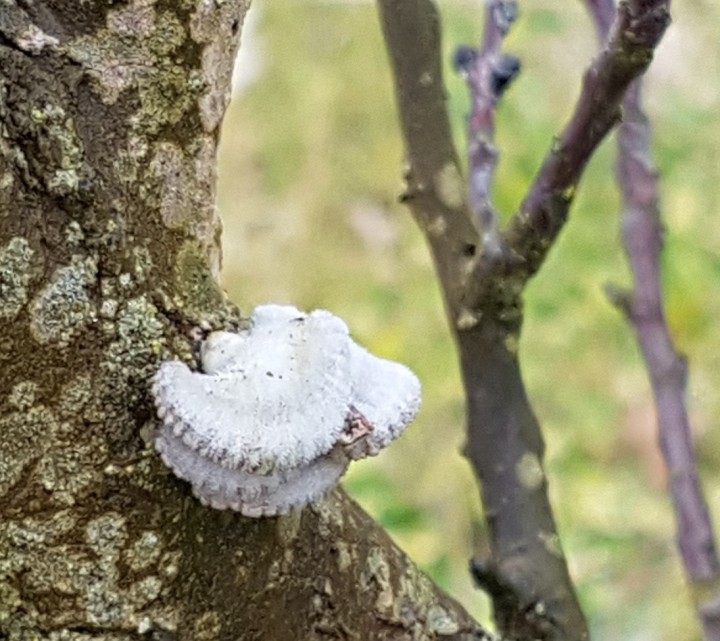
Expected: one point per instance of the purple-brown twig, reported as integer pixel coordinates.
(642, 237)
(488, 73)
(634, 34)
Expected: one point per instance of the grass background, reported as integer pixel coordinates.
(309, 175)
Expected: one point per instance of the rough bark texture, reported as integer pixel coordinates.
(108, 257)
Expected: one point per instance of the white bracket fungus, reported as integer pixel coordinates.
(278, 411)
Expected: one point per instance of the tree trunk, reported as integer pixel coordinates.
(109, 253)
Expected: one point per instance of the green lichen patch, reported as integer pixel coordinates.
(144, 552)
(346, 555)
(142, 263)
(139, 338)
(165, 99)
(143, 592)
(83, 579)
(63, 308)
(31, 531)
(207, 626)
(61, 149)
(22, 396)
(106, 534)
(137, 51)
(74, 234)
(66, 472)
(41, 452)
(66, 634)
(10, 601)
(129, 362)
(135, 343)
(15, 276)
(20, 541)
(377, 575)
(23, 438)
(75, 396)
(113, 57)
(130, 160)
(441, 622)
(332, 519)
(201, 295)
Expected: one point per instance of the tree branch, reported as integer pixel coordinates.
(527, 575)
(435, 190)
(633, 37)
(488, 73)
(603, 15)
(642, 237)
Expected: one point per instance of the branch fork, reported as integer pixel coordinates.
(482, 288)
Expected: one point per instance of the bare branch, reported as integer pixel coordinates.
(642, 236)
(435, 191)
(527, 575)
(603, 14)
(488, 73)
(435, 187)
(643, 306)
(633, 37)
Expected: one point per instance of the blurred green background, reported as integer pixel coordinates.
(308, 183)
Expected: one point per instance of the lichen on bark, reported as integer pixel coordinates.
(109, 253)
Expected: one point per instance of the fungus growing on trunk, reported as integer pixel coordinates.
(278, 411)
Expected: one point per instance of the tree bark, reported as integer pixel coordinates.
(109, 253)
